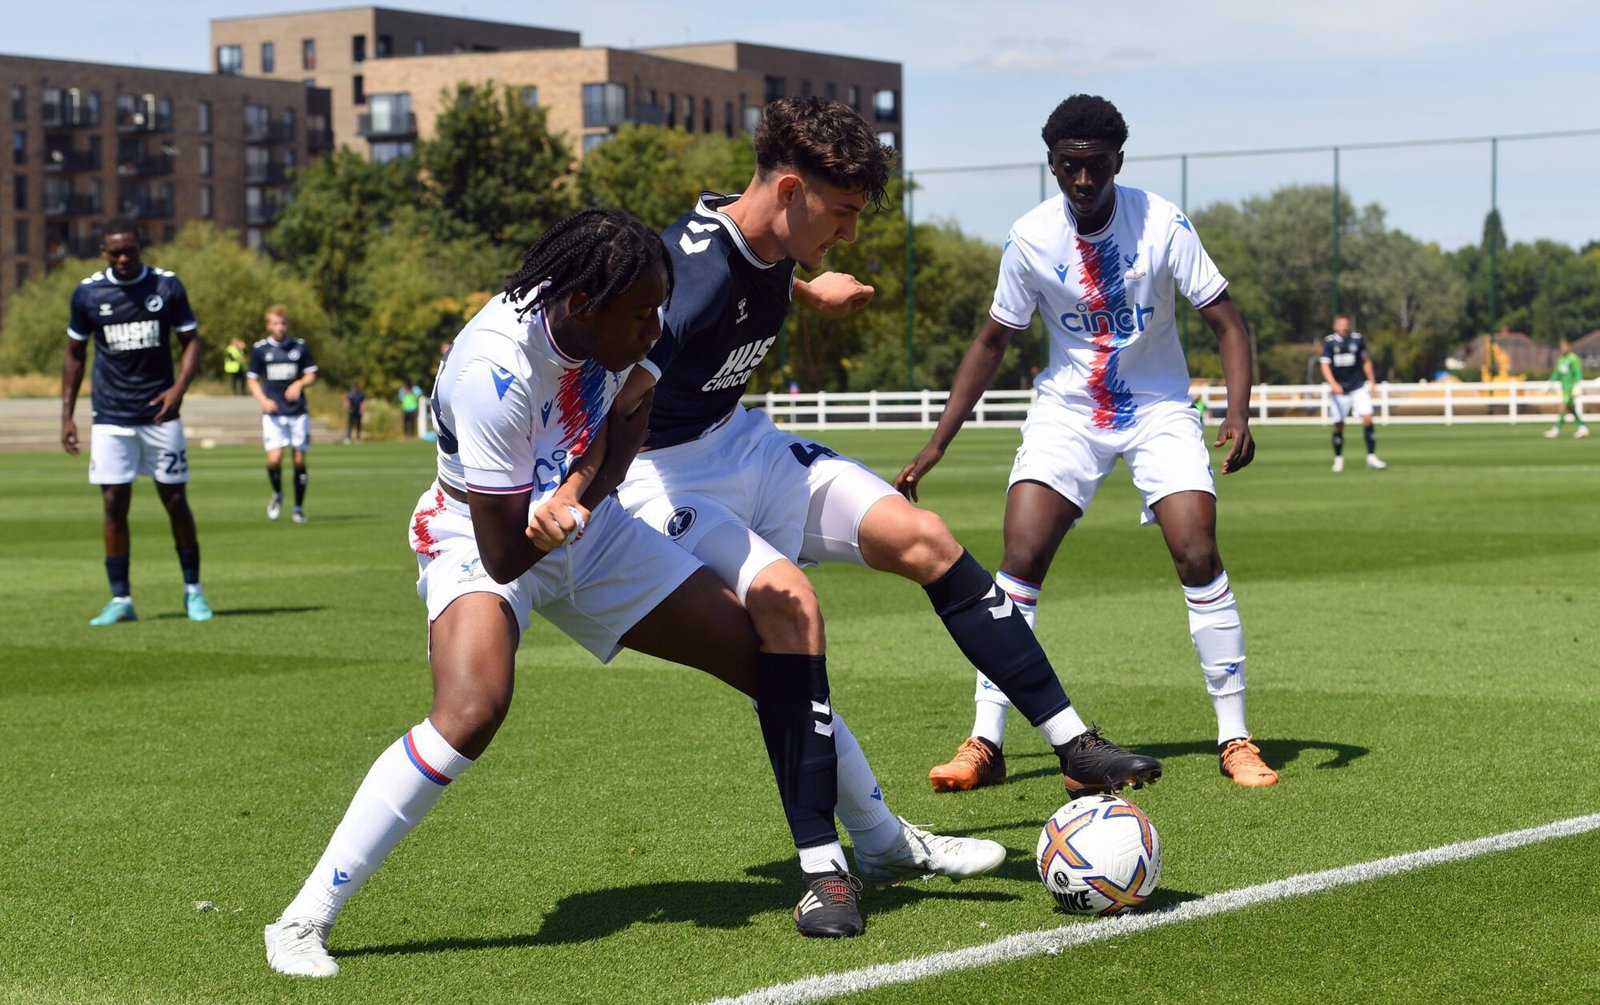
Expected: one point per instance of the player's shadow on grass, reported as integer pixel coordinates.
(239, 612)
(1280, 753)
(595, 914)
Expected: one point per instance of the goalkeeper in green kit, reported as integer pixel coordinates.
(1569, 374)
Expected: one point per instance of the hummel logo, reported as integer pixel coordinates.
(1061, 273)
(701, 228)
(340, 877)
(824, 723)
(502, 380)
(743, 315)
(1006, 605)
(544, 413)
(105, 310)
(691, 247)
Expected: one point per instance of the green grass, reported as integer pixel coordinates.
(1422, 664)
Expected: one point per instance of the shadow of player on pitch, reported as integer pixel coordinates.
(1280, 753)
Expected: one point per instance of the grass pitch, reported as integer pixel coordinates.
(1423, 670)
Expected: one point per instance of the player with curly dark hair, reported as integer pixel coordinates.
(1099, 263)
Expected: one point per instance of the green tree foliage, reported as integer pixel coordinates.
(229, 288)
(656, 173)
(493, 170)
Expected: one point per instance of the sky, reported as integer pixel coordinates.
(1190, 78)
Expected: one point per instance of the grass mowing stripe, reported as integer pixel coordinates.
(1054, 941)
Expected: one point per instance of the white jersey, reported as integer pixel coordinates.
(1107, 302)
(513, 411)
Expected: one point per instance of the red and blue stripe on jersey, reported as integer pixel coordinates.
(1105, 297)
(581, 404)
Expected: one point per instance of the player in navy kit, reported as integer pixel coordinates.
(754, 503)
(281, 368)
(132, 313)
(1347, 367)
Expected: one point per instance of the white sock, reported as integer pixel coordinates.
(402, 785)
(861, 808)
(1219, 642)
(823, 858)
(1063, 726)
(990, 703)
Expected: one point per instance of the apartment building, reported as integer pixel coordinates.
(89, 141)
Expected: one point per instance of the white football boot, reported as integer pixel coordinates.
(1338, 464)
(299, 947)
(920, 853)
(1374, 463)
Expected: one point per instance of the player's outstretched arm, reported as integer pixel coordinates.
(72, 360)
(973, 377)
(1233, 345)
(833, 294)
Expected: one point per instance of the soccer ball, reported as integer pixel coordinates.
(1099, 855)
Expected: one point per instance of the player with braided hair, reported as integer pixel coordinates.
(524, 393)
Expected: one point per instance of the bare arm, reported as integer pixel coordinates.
(1366, 367)
(1233, 345)
(498, 523)
(72, 360)
(1327, 375)
(597, 473)
(267, 404)
(973, 377)
(296, 389)
(168, 401)
(833, 294)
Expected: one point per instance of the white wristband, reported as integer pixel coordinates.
(577, 531)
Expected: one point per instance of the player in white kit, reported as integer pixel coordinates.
(1099, 264)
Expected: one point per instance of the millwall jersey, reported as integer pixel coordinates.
(1344, 355)
(131, 324)
(277, 365)
(724, 316)
(512, 410)
(1107, 301)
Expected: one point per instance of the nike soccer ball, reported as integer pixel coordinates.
(1099, 855)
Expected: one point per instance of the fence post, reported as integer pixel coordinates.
(1449, 402)
(1512, 388)
(1263, 389)
(1383, 394)
(822, 409)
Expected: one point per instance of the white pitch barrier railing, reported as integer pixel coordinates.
(1443, 402)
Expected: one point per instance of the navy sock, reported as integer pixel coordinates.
(797, 725)
(189, 559)
(275, 476)
(1338, 444)
(117, 574)
(299, 487)
(1372, 439)
(992, 634)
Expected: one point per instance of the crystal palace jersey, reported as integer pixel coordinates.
(1107, 301)
(512, 411)
(277, 365)
(726, 310)
(131, 324)
(1344, 355)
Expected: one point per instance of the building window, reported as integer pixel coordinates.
(530, 97)
(853, 97)
(886, 106)
(831, 90)
(419, 47)
(805, 88)
(887, 139)
(672, 109)
(22, 237)
(205, 117)
(205, 160)
(358, 89)
(688, 113)
(727, 119)
(230, 59)
(392, 150)
(593, 140)
(254, 238)
(22, 273)
(705, 118)
(384, 47)
(269, 58)
(390, 115)
(19, 191)
(19, 146)
(358, 48)
(207, 207)
(605, 105)
(164, 114)
(19, 103)
(752, 118)
(776, 87)
(308, 54)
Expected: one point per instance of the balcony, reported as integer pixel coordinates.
(72, 247)
(271, 174)
(146, 208)
(71, 205)
(143, 122)
(646, 114)
(61, 161)
(393, 125)
(65, 117)
(269, 132)
(319, 140)
(262, 214)
(136, 167)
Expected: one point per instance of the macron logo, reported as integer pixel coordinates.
(544, 413)
(1061, 272)
(340, 877)
(1184, 222)
(502, 380)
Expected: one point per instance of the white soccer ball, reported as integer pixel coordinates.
(1099, 855)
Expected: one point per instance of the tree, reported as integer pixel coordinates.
(656, 173)
(493, 169)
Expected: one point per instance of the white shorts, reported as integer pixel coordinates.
(595, 589)
(1165, 451)
(1357, 403)
(120, 454)
(798, 496)
(292, 431)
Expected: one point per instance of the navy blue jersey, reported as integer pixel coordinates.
(724, 316)
(132, 325)
(276, 365)
(1345, 356)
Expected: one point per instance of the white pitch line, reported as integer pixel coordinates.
(1054, 941)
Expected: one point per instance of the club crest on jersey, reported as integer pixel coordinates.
(153, 303)
(680, 521)
(294, 354)
(471, 570)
